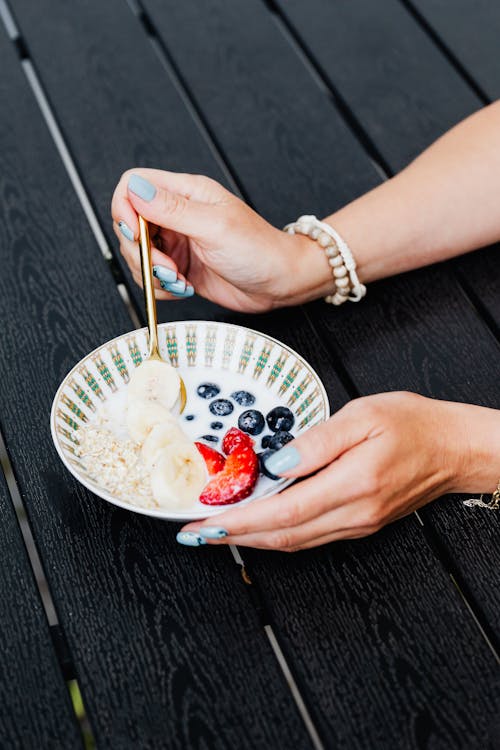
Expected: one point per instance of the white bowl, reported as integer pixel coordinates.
(234, 357)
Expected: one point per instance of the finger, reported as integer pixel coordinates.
(195, 187)
(173, 210)
(329, 488)
(321, 444)
(354, 518)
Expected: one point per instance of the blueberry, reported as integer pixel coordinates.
(243, 398)
(280, 419)
(189, 417)
(208, 390)
(210, 438)
(262, 465)
(216, 425)
(278, 440)
(251, 421)
(265, 441)
(221, 407)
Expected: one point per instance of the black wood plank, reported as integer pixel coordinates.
(404, 93)
(217, 32)
(377, 678)
(470, 30)
(401, 90)
(168, 649)
(35, 709)
(403, 316)
(392, 77)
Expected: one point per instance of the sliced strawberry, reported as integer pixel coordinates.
(235, 482)
(214, 460)
(236, 439)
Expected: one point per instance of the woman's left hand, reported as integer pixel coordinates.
(376, 460)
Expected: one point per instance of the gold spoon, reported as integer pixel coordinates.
(150, 302)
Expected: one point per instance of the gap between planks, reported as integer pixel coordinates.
(190, 103)
(93, 221)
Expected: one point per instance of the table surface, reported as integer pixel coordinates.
(298, 106)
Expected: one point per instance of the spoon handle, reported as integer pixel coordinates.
(149, 292)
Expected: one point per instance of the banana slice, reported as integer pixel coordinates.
(155, 381)
(142, 416)
(161, 436)
(178, 476)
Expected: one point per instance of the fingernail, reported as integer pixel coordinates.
(141, 187)
(126, 231)
(283, 460)
(190, 539)
(174, 287)
(212, 532)
(189, 291)
(164, 274)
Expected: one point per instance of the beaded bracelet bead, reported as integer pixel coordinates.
(339, 256)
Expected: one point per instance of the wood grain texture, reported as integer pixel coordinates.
(400, 88)
(114, 113)
(470, 30)
(35, 709)
(418, 332)
(167, 647)
(267, 115)
(396, 82)
(383, 679)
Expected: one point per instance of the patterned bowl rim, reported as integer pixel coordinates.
(163, 514)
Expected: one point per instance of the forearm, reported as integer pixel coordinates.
(443, 204)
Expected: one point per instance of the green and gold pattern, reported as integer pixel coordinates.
(300, 390)
(289, 378)
(262, 361)
(229, 343)
(119, 363)
(172, 346)
(277, 368)
(210, 342)
(246, 352)
(191, 345)
(222, 348)
(134, 351)
(105, 373)
(74, 408)
(82, 394)
(92, 382)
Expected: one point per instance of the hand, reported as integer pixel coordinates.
(206, 238)
(376, 460)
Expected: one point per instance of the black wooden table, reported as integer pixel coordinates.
(299, 106)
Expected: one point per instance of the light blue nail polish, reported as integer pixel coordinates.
(126, 231)
(283, 460)
(164, 274)
(141, 187)
(213, 532)
(190, 539)
(189, 291)
(174, 287)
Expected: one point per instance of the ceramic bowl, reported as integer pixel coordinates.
(233, 357)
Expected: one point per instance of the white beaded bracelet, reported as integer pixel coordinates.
(339, 256)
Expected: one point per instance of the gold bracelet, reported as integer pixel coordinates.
(492, 504)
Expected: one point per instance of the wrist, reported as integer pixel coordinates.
(305, 275)
(476, 453)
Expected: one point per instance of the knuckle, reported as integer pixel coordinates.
(289, 515)
(280, 540)
(372, 515)
(171, 203)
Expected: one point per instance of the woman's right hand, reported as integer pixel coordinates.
(206, 239)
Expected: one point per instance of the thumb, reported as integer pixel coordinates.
(321, 444)
(168, 209)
